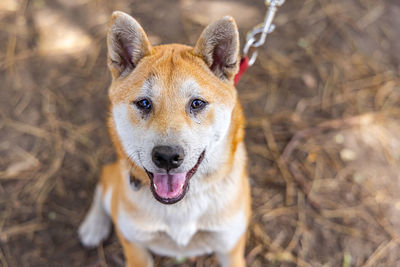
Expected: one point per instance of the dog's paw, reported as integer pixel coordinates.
(94, 229)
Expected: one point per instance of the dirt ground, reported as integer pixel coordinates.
(322, 104)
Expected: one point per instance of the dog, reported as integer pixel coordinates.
(179, 186)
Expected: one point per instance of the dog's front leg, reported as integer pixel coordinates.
(97, 224)
(135, 256)
(235, 257)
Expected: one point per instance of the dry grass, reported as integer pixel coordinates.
(322, 105)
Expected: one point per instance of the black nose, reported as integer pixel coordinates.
(167, 157)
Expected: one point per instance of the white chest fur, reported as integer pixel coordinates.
(179, 237)
(143, 227)
(179, 221)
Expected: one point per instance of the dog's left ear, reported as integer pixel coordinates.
(218, 46)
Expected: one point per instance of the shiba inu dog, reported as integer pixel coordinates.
(179, 187)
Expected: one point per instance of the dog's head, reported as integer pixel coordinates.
(172, 104)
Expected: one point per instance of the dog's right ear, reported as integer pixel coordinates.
(127, 44)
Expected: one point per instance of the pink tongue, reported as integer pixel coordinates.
(169, 185)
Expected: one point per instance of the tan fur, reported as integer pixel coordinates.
(135, 256)
(168, 67)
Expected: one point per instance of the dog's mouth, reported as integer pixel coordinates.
(171, 188)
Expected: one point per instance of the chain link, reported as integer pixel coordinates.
(257, 36)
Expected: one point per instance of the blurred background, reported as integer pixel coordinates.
(322, 104)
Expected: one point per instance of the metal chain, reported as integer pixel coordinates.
(257, 36)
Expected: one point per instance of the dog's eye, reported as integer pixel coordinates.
(144, 104)
(197, 104)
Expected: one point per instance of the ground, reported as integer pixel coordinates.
(322, 104)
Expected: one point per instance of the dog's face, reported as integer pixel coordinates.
(172, 104)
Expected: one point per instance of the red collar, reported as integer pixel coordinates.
(244, 64)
